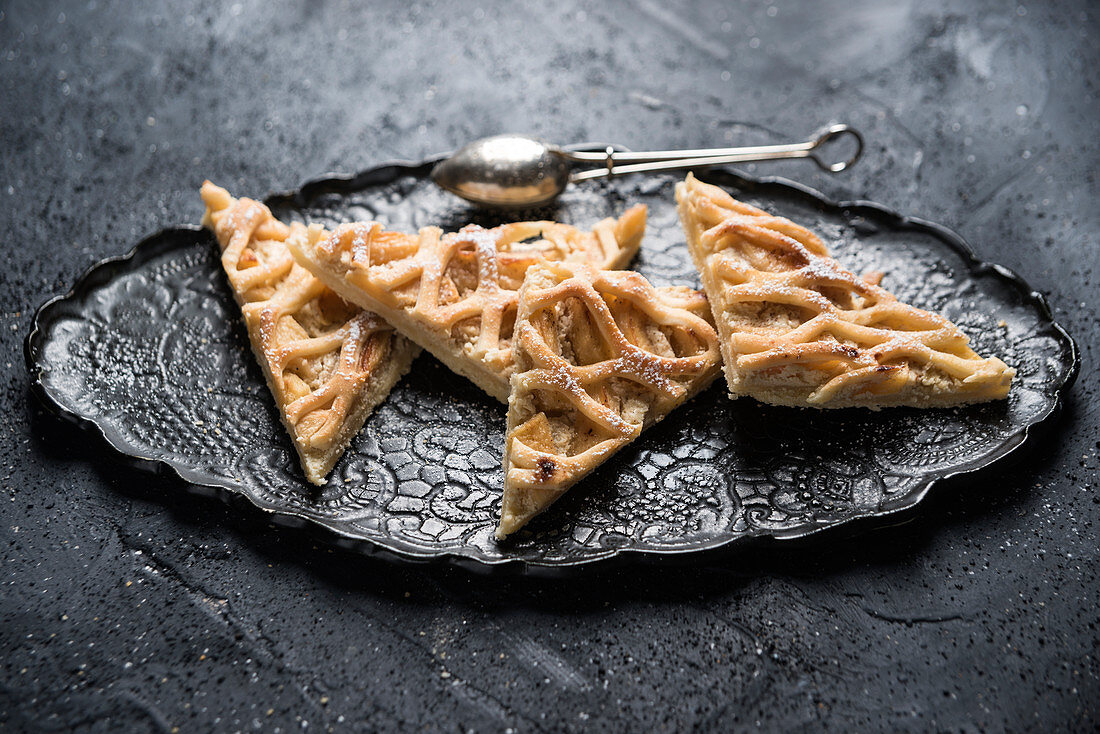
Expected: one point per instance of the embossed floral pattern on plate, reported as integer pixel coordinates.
(149, 350)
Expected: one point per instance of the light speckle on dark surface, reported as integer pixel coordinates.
(127, 604)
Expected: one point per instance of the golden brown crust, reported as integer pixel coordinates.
(798, 329)
(600, 356)
(455, 294)
(327, 363)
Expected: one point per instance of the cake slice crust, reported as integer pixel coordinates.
(798, 329)
(600, 356)
(455, 294)
(327, 363)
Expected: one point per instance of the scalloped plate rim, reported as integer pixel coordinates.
(474, 561)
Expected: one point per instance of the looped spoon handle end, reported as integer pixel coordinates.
(832, 133)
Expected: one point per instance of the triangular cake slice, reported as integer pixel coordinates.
(798, 329)
(455, 294)
(600, 356)
(328, 363)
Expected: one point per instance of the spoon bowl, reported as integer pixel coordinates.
(505, 171)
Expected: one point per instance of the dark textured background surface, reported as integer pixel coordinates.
(125, 605)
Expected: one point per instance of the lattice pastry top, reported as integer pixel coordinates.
(798, 329)
(328, 363)
(600, 356)
(455, 294)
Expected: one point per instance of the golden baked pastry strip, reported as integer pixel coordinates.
(798, 329)
(455, 294)
(600, 356)
(328, 363)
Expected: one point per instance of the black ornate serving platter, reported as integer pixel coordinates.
(148, 351)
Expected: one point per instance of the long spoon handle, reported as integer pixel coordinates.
(666, 160)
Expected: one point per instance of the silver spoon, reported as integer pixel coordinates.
(517, 171)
